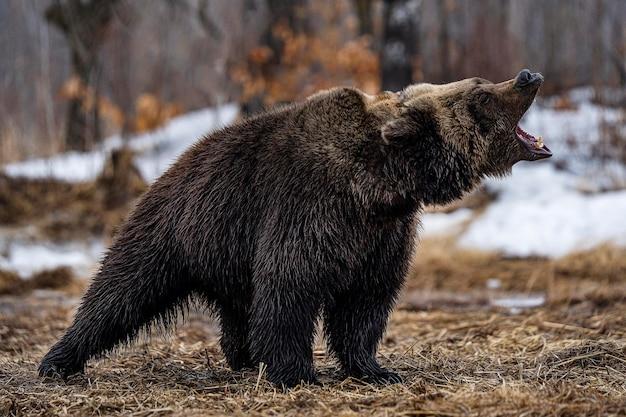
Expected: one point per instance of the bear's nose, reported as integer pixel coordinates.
(525, 78)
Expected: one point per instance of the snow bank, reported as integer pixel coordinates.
(156, 150)
(570, 134)
(159, 149)
(540, 211)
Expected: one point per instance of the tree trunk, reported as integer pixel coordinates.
(444, 42)
(85, 26)
(400, 43)
(364, 14)
(82, 126)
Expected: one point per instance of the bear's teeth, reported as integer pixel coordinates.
(539, 142)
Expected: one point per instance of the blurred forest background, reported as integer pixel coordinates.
(75, 71)
(515, 302)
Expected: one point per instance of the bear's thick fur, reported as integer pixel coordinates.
(305, 211)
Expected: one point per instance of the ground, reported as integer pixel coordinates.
(460, 337)
(458, 352)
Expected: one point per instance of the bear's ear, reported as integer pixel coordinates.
(417, 118)
(398, 129)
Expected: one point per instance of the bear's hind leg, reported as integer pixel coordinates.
(122, 299)
(354, 325)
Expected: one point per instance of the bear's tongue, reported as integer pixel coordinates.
(533, 144)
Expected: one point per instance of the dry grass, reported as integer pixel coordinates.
(567, 358)
(597, 275)
(481, 363)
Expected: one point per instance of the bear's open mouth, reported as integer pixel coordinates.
(534, 145)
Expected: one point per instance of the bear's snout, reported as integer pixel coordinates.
(526, 78)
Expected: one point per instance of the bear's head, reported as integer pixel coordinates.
(456, 134)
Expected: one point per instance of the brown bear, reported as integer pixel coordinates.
(301, 212)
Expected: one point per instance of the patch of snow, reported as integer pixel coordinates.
(557, 126)
(27, 258)
(571, 134)
(156, 150)
(437, 224)
(493, 283)
(516, 303)
(70, 166)
(540, 211)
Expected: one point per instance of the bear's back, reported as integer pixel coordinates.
(291, 164)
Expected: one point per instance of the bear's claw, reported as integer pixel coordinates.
(48, 369)
(293, 382)
(380, 377)
(384, 378)
(288, 380)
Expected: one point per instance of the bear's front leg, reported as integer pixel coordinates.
(234, 339)
(354, 325)
(282, 328)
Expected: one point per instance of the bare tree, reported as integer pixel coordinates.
(85, 25)
(364, 13)
(207, 22)
(617, 48)
(443, 9)
(400, 42)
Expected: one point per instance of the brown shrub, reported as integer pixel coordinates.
(62, 210)
(61, 278)
(52, 278)
(10, 282)
(605, 263)
(23, 199)
(152, 113)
